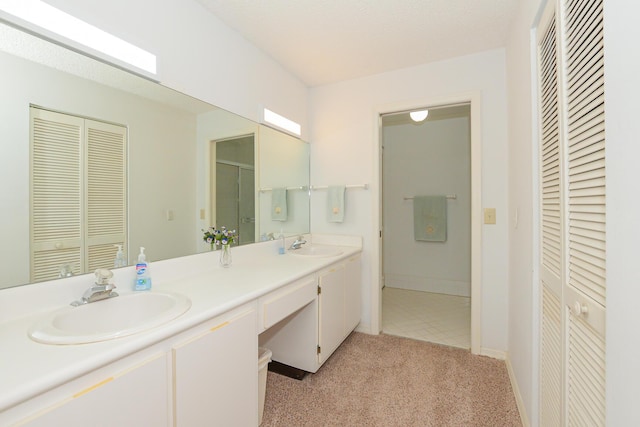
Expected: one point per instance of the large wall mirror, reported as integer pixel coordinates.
(182, 165)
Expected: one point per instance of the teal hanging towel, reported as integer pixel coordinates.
(430, 218)
(279, 204)
(335, 203)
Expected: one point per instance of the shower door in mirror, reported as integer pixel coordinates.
(247, 206)
(235, 200)
(235, 185)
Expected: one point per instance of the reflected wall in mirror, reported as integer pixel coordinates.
(171, 175)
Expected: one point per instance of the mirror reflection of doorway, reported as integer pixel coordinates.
(235, 186)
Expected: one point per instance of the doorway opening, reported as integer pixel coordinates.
(446, 278)
(234, 201)
(426, 224)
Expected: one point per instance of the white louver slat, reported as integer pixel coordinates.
(56, 195)
(586, 375)
(49, 263)
(106, 192)
(586, 148)
(585, 292)
(551, 243)
(102, 256)
(550, 153)
(551, 360)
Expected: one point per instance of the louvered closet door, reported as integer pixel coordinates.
(552, 266)
(106, 202)
(572, 199)
(78, 193)
(56, 194)
(585, 289)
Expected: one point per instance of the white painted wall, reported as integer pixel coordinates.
(343, 151)
(283, 162)
(522, 213)
(429, 158)
(622, 61)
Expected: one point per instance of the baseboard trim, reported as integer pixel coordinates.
(365, 328)
(428, 284)
(495, 354)
(516, 392)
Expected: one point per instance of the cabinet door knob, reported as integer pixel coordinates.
(579, 309)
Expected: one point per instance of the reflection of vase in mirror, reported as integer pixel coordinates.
(235, 185)
(225, 256)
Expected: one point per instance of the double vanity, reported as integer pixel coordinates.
(185, 353)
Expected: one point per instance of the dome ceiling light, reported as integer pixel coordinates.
(418, 116)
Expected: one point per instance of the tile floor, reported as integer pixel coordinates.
(437, 318)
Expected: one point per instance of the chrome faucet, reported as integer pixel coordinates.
(297, 244)
(102, 289)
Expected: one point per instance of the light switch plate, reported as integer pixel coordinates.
(489, 215)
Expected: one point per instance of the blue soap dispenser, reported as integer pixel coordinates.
(281, 249)
(143, 280)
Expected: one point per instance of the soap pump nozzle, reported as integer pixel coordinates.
(141, 256)
(120, 261)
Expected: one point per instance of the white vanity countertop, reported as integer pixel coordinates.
(28, 368)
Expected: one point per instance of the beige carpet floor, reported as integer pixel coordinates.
(391, 381)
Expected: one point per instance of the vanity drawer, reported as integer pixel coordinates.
(281, 303)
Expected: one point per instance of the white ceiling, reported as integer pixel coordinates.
(325, 41)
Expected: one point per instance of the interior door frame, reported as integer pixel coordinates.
(210, 188)
(474, 99)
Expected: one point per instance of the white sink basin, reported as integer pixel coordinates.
(108, 319)
(317, 251)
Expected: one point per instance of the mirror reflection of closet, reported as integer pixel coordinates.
(234, 185)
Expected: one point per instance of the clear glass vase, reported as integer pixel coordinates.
(225, 256)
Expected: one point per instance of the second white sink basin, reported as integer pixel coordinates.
(108, 319)
(317, 251)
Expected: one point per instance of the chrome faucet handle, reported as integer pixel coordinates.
(102, 288)
(298, 243)
(103, 276)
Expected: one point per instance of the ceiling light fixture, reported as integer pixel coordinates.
(418, 116)
(281, 122)
(62, 24)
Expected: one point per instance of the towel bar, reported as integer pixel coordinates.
(449, 196)
(324, 187)
(302, 187)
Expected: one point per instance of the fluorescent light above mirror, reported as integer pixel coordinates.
(271, 118)
(62, 24)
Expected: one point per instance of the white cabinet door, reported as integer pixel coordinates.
(216, 374)
(135, 397)
(353, 301)
(332, 311)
